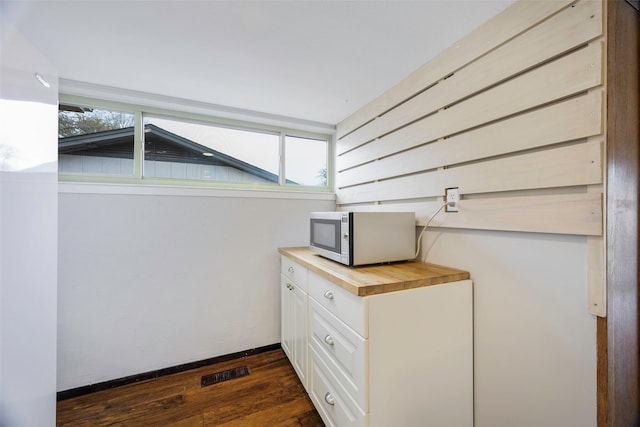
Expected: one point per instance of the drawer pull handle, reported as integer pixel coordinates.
(290, 270)
(289, 286)
(329, 399)
(329, 340)
(328, 295)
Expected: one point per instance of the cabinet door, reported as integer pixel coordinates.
(286, 316)
(299, 321)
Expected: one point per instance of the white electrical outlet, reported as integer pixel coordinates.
(452, 199)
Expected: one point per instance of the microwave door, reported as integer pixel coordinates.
(326, 238)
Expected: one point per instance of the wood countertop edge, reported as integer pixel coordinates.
(334, 272)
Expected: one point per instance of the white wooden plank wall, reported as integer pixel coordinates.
(512, 115)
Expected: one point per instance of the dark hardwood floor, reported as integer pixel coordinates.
(271, 395)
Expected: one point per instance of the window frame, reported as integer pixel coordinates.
(138, 177)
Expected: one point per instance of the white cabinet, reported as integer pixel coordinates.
(293, 293)
(402, 358)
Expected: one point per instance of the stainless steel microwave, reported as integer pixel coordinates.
(360, 238)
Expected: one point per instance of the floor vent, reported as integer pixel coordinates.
(227, 375)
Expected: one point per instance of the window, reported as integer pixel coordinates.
(95, 141)
(111, 142)
(306, 161)
(188, 150)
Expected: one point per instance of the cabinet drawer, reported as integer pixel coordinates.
(347, 307)
(342, 350)
(294, 271)
(331, 401)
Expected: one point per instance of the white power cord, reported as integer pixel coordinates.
(429, 222)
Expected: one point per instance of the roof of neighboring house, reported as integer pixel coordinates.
(160, 145)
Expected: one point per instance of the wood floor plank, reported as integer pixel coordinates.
(288, 414)
(274, 395)
(271, 395)
(195, 421)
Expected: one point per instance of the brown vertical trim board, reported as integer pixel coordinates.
(618, 344)
(602, 386)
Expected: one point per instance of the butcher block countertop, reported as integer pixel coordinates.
(375, 279)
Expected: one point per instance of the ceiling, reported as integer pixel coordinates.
(311, 60)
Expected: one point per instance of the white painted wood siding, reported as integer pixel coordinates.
(512, 115)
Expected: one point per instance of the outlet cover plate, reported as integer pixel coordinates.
(452, 195)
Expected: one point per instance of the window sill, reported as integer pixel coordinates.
(166, 190)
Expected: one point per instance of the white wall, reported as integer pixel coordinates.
(28, 219)
(534, 341)
(151, 281)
